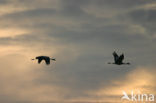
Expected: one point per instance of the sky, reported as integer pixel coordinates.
(81, 35)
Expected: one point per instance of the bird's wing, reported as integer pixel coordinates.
(39, 60)
(121, 58)
(115, 56)
(47, 60)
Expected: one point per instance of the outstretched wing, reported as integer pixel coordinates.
(121, 58)
(115, 56)
(39, 60)
(47, 60)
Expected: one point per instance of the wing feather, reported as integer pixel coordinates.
(115, 56)
(47, 60)
(121, 58)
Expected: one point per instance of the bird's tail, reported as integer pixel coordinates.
(128, 63)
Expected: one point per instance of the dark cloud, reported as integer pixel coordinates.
(123, 3)
(29, 14)
(143, 15)
(2, 2)
(83, 43)
(145, 18)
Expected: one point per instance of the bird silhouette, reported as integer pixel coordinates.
(118, 60)
(45, 58)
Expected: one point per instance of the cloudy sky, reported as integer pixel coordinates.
(81, 35)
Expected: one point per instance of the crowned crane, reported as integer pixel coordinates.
(118, 60)
(45, 58)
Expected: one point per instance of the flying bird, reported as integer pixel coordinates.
(45, 58)
(118, 60)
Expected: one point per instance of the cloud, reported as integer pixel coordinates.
(20, 83)
(81, 35)
(139, 79)
(143, 17)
